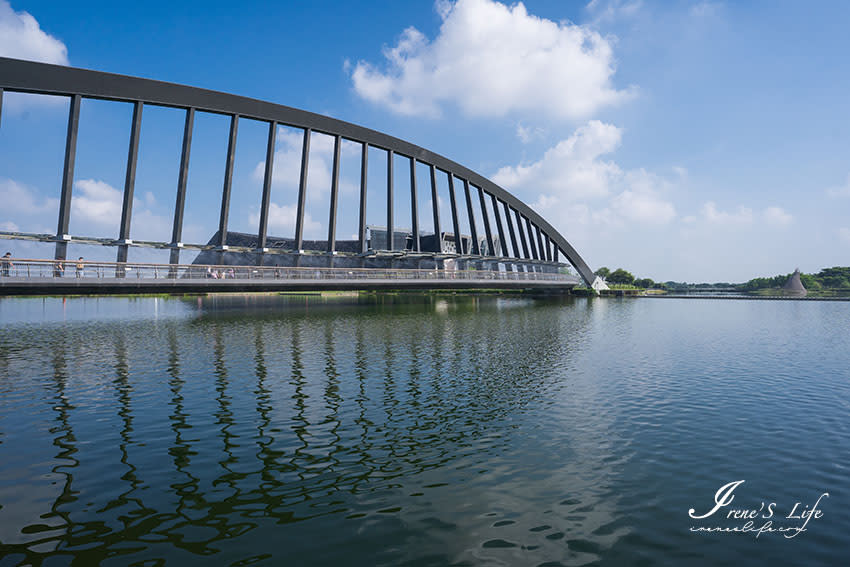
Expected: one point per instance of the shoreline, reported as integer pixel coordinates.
(742, 297)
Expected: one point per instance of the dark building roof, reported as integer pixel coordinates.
(251, 241)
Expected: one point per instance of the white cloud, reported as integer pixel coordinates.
(22, 38)
(96, 202)
(286, 172)
(491, 60)
(147, 225)
(777, 216)
(642, 202)
(95, 211)
(705, 9)
(96, 206)
(282, 217)
(572, 169)
(572, 175)
(18, 198)
(742, 215)
(841, 191)
(610, 10)
(10, 226)
(527, 134)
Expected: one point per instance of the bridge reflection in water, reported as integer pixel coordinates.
(304, 434)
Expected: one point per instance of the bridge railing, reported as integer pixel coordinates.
(36, 269)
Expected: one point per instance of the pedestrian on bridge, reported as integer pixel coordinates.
(80, 267)
(6, 260)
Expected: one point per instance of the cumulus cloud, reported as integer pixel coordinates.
(282, 217)
(490, 59)
(96, 202)
(604, 11)
(742, 215)
(575, 184)
(18, 198)
(840, 191)
(642, 202)
(527, 134)
(286, 175)
(571, 169)
(96, 205)
(21, 37)
(777, 216)
(286, 172)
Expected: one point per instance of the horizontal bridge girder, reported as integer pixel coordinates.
(42, 78)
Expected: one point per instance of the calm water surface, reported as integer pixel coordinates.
(421, 430)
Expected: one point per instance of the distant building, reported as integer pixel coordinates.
(403, 240)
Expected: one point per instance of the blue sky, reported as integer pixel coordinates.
(698, 141)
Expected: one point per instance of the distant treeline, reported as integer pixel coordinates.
(837, 278)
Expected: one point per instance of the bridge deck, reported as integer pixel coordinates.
(41, 277)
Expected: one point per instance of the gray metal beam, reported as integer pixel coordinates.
(129, 182)
(414, 208)
(27, 76)
(540, 251)
(510, 222)
(364, 166)
(334, 193)
(267, 189)
(471, 215)
(390, 228)
(455, 222)
(531, 241)
(228, 181)
(435, 205)
(1, 106)
(502, 250)
(182, 179)
(67, 179)
(521, 232)
(302, 191)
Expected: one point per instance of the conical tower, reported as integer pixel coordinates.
(794, 285)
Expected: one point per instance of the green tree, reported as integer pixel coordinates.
(603, 272)
(835, 278)
(645, 283)
(810, 283)
(621, 276)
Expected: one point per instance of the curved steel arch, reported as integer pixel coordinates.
(41, 78)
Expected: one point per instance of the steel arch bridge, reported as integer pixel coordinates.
(534, 245)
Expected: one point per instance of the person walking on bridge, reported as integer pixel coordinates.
(6, 261)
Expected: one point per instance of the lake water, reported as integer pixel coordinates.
(423, 430)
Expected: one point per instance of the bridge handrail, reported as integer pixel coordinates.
(31, 269)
